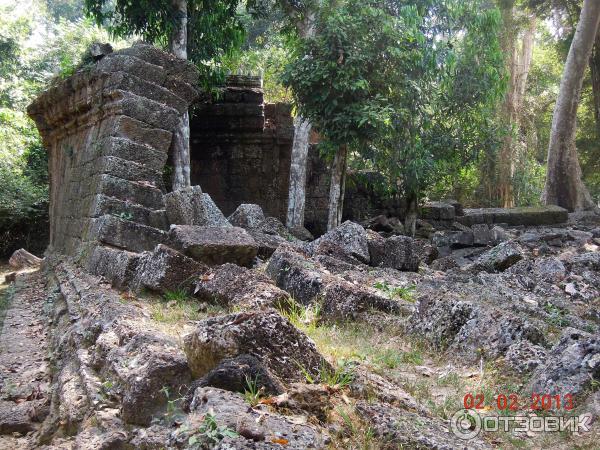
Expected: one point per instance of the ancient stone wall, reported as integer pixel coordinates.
(241, 149)
(108, 129)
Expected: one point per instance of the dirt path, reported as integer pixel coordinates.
(24, 370)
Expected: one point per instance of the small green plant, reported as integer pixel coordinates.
(304, 317)
(252, 393)
(125, 215)
(556, 316)
(178, 296)
(405, 293)
(389, 358)
(173, 403)
(210, 433)
(340, 377)
(361, 437)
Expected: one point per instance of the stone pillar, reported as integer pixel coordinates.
(108, 129)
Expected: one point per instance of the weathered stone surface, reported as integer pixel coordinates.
(301, 234)
(214, 245)
(127, 235)
(346, 301)
(524, 357)
(350, 237)
(438, 211)
(266, 335)
(117, 266)
(453, 239)
(189, 206)
(570, 366)
(247, 215)
(256, 429)
(404, 429)
(500, 257)
(542, 215)
(16, 417)
(232, 285)
(234, 374)
(108, 130)
(22, 259)
(482, 234)
(384, 224)
(396, 252)
(293, 272)
(165, 269)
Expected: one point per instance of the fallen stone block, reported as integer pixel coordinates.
(126, 234)
(343, 301)
(117, 266)
(541, 215)
(254, 429)
(293, 272)
(482, 235)
(453, 239)
(396, 252)
(231, 285)
(438, 211)
(214, 245)
(301, 233)
(247, 215)
(266, 335)
(350, 237)
(233, 374)
(405, 429)
(22, 259)
(190, 206)
(569, 367)
(165, 269)
(499, 258)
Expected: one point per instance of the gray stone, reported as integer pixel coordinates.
(396, 252)
(453, 239)
(234, 286)
(344, 301)
(295, 273)
(117, 266)
(189, 206)
(214, 245)
(22, 259)
(266, 335)
(438, 211)
(126, 234)
(247, 215)
(482, 235)
(165, 269)
(232, 374)
(549, 269)
(500, 258)
(570, 366)
(350, 237)
(524, 357)
(301, 233)
(541, 215)
(406, 429)
(256, 429)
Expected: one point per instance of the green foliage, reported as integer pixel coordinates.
(210, 433)
(339, 377)
(214, 27)
(416, 99)
(402, 292)
(178, 296)
(253, 393)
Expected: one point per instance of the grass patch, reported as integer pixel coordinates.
(354, 433)
(406, 293)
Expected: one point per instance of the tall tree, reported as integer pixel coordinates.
(303, 16)
(518, 52)
(198, 30)
(564, 186)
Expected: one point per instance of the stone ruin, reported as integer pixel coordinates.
(108, 130)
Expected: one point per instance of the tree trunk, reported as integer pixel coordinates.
(297, 189)
(564, 186)
(302, 129)
(337, 188)
(410, 218)
(180, 146)
(519, 63)
(595, 71)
